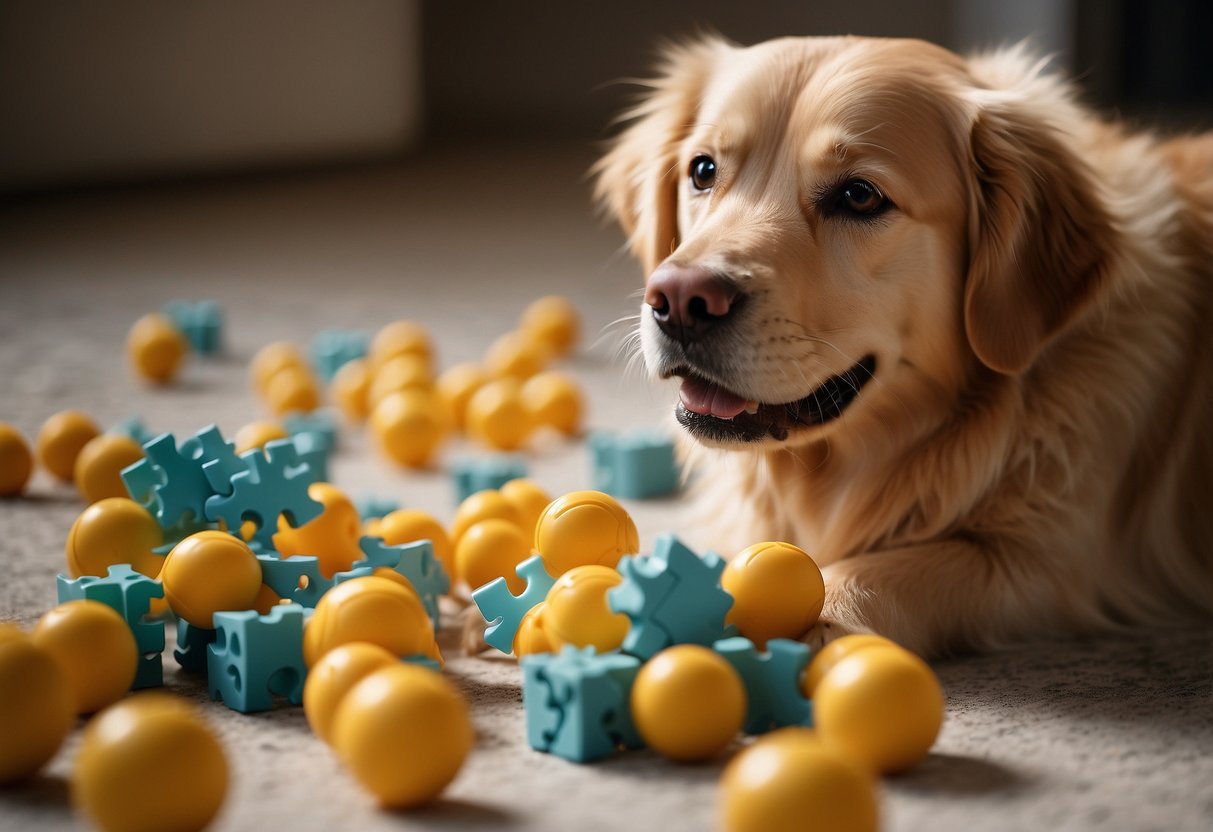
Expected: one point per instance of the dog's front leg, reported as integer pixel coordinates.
(947, 596)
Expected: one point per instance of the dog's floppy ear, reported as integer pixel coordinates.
(637, 180)
(1040, 237)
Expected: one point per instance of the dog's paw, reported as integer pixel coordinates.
(825, 631)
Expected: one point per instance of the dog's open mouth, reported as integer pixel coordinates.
(709, 411)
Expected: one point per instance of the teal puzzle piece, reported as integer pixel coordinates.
(503, 610)
(772, 682)
(130, 594)
(255, 656)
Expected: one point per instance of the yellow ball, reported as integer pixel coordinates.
(210, 572)
(149, 764)
(404, 372)
(334, 674)
(688, 703)
(273, 358)
(332, 537)
(554, 400)
(530, 500)
(112, 531)
(777, 592)
(292, 390)
(95, 649)
(266, 600)
(404, 732)
(60, 441)
(409, 525)
(532, 636)
(456, 387)
(371, 609)
(515, 356)
(351, 390)
(577, 613)
(155, 347)
(483, 505)
(497, 415)
(410, 426)
(254, 435)
(584, 527)
(790, 780)
(400, 338)
(98, 468)
(37, 706)
(554, 322)
(491, 549)
(881, 706)
(833, 653)
(16, 461)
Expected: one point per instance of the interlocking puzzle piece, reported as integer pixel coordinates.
(503, 610)
(141, 480)
(320, 422)
(275, 484)
(297, 578)
(130, 594)
(216, 457)
(636, 465)
(577, 703)
(192, 642)
(415, 561)
(371, 507)
(672, 596)
(201, 322)
(332, 349)
(480, 473)
(254, 656)
(179, 489)
(772, 681)
(134, 428)
(314, 450)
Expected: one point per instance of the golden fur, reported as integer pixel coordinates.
(1034, 454)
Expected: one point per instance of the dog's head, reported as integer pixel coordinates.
(847, 226)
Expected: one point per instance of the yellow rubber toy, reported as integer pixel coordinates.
(210, 572)
(456, 386)
(554, 322)
(37, 706)
(155, 347)
(400, 338)
(372, 609)
(95, 649)
(881, 706)
(483, 505)
(491, 549)
(688, 703)
(292, 390)
(530, 500)
(273, 358)
(111, 531)
(147, 764)
(584, 527)
(351, 389)
(410, 425)
(334, 674)
(576, 610)
(254, 435)
(98, 468)
(403, 372)
(532, 636)
(498, 416)
(514, 355)
(409, 525)
(777, 592)
(789, 781)
(332, 537)
(60, 441)
(833, 653)
(16, 461)
(555, 401)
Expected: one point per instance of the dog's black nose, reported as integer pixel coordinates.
(689, 302)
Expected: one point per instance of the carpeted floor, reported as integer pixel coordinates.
(1102, 734)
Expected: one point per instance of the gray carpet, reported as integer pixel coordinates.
(1102, 734)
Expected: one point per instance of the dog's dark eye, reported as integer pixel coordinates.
(703, 172)
(860, 197)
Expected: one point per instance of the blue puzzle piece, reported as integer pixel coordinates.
(371, 507)
(183, 490)
(141, 480)
(672, 596)
(415, 561)
(472, 474)
(638, 465)
(503, 610)
(200, 321)
(192, 642)
(772, 682)
(130, 594)
(216, 457)
(577, 703)
(275, 484)
(297, 578)
(319, 422)
(254, 656)
(314, 451)
(332, 349)
(134, 428)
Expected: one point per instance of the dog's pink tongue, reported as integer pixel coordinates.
(707, 398)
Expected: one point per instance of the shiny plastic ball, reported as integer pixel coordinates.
(483, 505)
(456, 387)
(514, 355)
(584, 527)
(777, 590)
(400, 338)
(210, 572)
(404, 372)
(532, 636)
(155, 347)
(95, 649)
(113, 531)
(491, 549)
(273, 358)
(555, 401)
(410, 426)
(292, 390)
(530, 500)
(576, 610)
(372, 609)
(688, 703)
(37, 706)
(254, 435)
(60, 441)
(834, 652)
(333, 675)
(351, 389)
(554, 322)
(332, 537)
(498, 416)
(16, 461)
(410, 525)
(98, 468)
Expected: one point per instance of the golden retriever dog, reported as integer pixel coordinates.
(937, 324)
